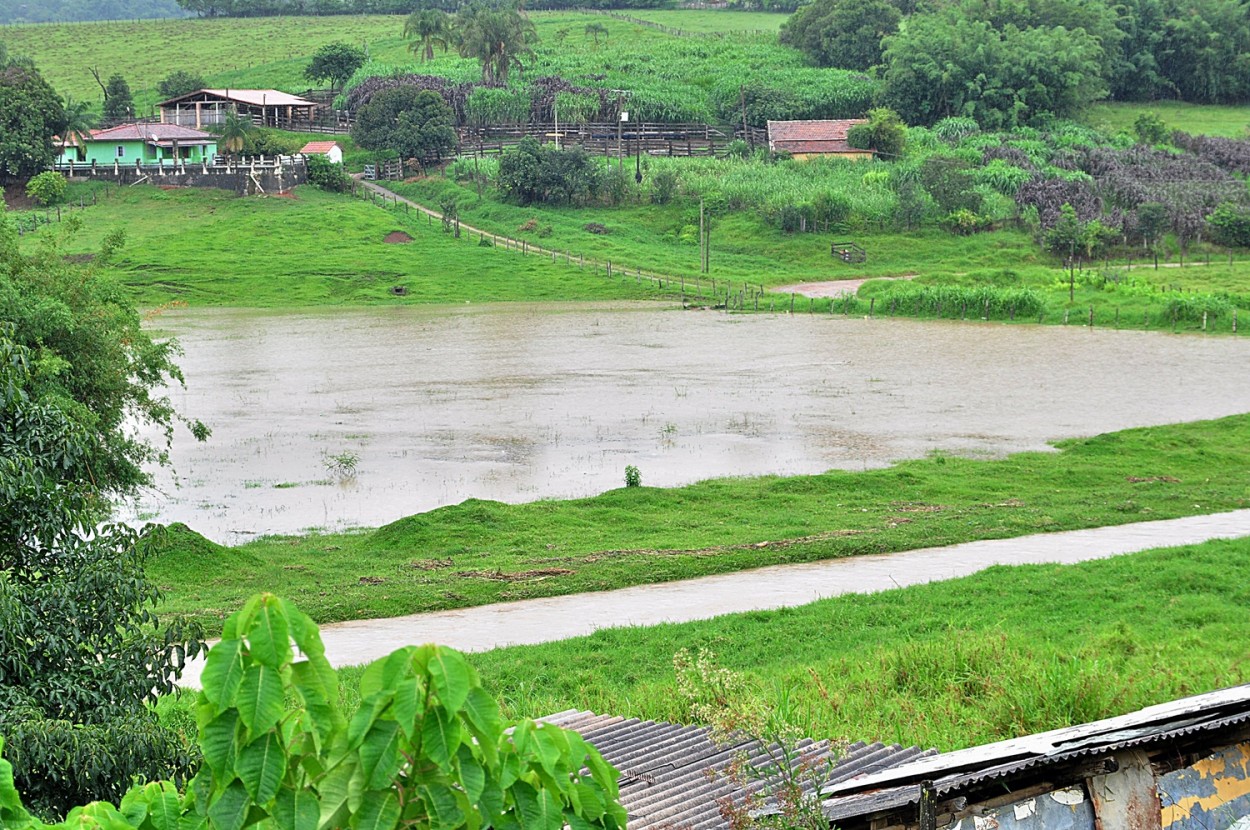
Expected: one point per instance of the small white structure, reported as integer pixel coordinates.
(329, 149)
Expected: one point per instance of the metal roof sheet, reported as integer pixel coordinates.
(678, 776)
(251, 97)
(954, 771)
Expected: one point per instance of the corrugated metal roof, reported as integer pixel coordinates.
(955, 771)
(812, 136)
(678, 776)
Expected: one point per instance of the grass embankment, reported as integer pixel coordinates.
(480, 552)
(209, 247)
(1002, 653)
(745, 248)
(1196, 119)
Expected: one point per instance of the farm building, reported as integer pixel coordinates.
(1183, 765)
(145, 143)
(329, 149)
(805, 139)
(205, 107)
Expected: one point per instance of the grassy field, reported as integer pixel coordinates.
(1002, 653)
(1198, 119)
(208, 247)
(745, 248)
(707, 21)
(480, 552)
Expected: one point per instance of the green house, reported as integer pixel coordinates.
(144, 143)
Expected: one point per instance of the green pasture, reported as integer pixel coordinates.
(480, 552)
(1006, 652)
(209, 247)
(1197, 119)
(711, 21)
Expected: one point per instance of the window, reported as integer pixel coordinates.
(121, 150)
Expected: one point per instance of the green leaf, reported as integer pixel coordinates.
(440, 736)
(536, 809)
(482, 715)
(409, 701)
(230, 809)
(549, 745)
(378, 811)
(472, 776)
(451, 675)
(385, 672)
(304, 632)
(260, 699)
(269, 637)
(443, 810)
(218, 741)
(296, 810)
(335, 789)
(262, 763)
(165, 809)
(379, 755)
(590, 799)
(366, 715)
(223, 671)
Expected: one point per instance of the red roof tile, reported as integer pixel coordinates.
(812, 136)
(318, 147)
(151, 132)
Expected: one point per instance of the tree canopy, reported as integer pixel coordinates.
(180, 83)
(842, 33)
(119, 104)
(416, 123)
(31, 113)
(335, 62)
(499, 38)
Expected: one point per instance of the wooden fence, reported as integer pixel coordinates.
(642, 138)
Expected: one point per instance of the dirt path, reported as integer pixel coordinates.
(833, 288)
(557, 618)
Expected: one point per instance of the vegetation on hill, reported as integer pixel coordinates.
(480, 552)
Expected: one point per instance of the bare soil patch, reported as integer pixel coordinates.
(833, 288)
(15, 197)
(397, 238)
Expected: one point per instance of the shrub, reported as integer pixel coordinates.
(427, 747)
(633, 476)
(663, 186)
(47, 188)
(327, 175)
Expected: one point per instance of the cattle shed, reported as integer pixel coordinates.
(1176, 766)
(266, 107)
(808, 139)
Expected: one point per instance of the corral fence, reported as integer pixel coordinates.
(610, 139)
(249, 176)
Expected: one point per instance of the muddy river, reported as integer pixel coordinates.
(430, 406)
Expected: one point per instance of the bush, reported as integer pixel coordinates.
(426, 748)
(663, 186)
(328, 175)
(47, 188)
(633, 476)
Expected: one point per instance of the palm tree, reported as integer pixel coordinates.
(596, 29)
(497, 38)
(426, 29)
(79, 119)
(233, 131)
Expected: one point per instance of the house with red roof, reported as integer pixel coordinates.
(329, 149)
(144, 143)
(805, 139)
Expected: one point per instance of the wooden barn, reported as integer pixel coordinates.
(267, 107)
(806, 139)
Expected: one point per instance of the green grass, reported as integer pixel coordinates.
(1198, 119)
(480, 552)
(711, 21)
(746, 248)
(1005, 652)
(209, 247)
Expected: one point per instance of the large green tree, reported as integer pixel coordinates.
(119, 104)
(31, 113)
(335, 62)
(846, 33)
(81, 652)
(416, 123)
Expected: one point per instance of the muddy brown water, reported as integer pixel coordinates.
(521, 402)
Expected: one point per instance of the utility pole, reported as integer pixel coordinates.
(620, 122)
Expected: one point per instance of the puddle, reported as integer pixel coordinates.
(519, 402)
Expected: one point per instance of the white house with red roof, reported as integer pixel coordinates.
(329, 149)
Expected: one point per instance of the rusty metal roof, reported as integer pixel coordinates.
(952, 772)
(675, 776)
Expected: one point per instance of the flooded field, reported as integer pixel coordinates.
(430, 406)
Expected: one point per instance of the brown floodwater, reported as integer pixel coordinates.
(522, 402)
